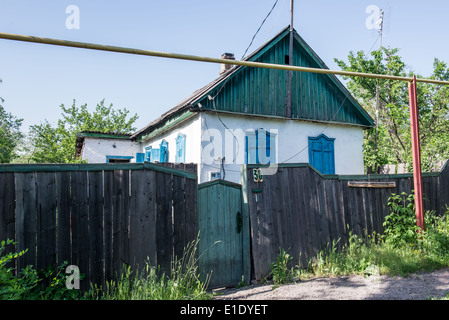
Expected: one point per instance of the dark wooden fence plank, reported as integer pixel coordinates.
(179, 215)
(108, 207)
(7, 209)
(164, 225)
(46, 219)
(26, 218)
(95, 224)
(120, 222)
(142, 219)
(79, 221)
(63, 217)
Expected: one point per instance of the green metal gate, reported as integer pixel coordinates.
(222, 230)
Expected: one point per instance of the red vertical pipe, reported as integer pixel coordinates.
(416, 151)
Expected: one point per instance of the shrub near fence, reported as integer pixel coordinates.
(301, 211)
(98, 217)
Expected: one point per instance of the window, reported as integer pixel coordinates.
(118, 159)
(260, 147)
(140, 157)
(321, 154)
(180, 148)
(214, 175)
(157, 155)
(163, 153)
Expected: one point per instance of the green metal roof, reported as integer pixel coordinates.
(263, 92)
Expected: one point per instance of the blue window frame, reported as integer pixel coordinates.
(147, 156)
(260, 147)
(157, 155)
(180, 148)
(111, 159)
(321, 154)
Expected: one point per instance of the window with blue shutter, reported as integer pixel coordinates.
(260, 147)
(140, 157)
(180, 148)
(163, 153)
(321, 154)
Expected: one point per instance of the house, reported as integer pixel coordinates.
(242, 118)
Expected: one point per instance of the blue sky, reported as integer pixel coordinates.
(37, 78)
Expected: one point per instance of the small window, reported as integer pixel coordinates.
(180, 148)
(321, 154)
(260, 147)
(118, 159)
(214, 175)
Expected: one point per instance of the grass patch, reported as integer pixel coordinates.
(182, 283)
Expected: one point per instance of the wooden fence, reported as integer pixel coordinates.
(98, 217)
(301, 211)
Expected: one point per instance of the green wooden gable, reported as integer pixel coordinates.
(263, 92)
(260, 91)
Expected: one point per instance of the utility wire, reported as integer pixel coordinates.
(252, 40)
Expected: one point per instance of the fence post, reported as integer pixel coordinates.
(416, 150)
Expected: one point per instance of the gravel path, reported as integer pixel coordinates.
(419, 286)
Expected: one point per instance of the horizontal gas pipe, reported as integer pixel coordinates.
(92, 46)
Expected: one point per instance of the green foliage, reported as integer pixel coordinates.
(280, 270)
(10, 134)
(30, 284)
(51, 144)
(400, 250)
(394, 141)
(400, 225)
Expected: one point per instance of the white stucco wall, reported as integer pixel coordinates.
(292, 143)
(95, 150)
(207, 141)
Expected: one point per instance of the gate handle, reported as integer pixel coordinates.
(239, 222)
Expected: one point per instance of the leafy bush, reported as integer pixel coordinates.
(400, 224)
(280, 271)
(30, 284)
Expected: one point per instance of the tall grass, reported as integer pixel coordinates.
(182, 281)
(384, 254)
(402, 248)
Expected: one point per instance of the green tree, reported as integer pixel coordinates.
(58, 144)
(394, 138)
(10, 134)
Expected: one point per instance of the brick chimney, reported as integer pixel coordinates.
(225, 67)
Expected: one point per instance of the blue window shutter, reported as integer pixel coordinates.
(321, 154)
(140, 157)
(180, 148)
(163, 156)
(147, 154)
(155, 155)
(251, 148)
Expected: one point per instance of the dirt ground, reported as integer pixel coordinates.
(419, 286)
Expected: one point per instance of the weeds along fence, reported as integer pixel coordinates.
(301, 211)
(98, 217)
